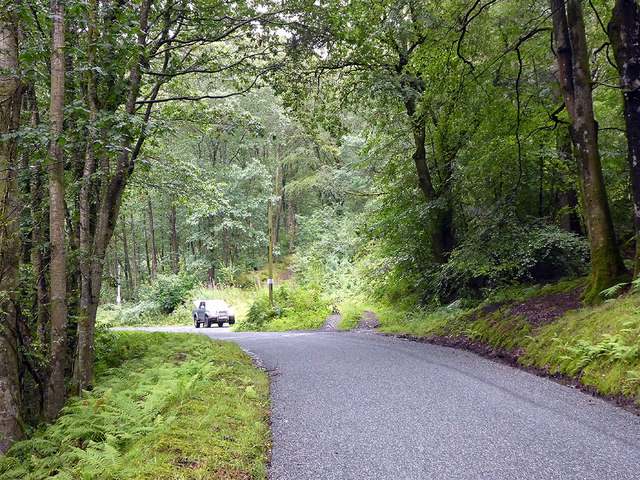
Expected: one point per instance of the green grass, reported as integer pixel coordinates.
(599, 345)
(352, 310)
(295, 307)
(168, 406)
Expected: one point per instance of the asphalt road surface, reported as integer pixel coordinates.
(365, 406)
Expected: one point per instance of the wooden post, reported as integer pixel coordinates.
(270, 280)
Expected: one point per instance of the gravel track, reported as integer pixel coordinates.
(357, 405)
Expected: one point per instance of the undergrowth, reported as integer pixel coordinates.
(174, 406)
(600, 346)
(294, 308)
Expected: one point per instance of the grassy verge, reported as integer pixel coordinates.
(598, 346)
(165, 406)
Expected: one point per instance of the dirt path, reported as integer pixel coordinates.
(331, 324)
(368, 322)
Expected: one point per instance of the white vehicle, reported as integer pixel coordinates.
(208, 312)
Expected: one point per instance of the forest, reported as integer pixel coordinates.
(413, 151)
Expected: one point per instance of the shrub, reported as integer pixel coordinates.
(507, 250)
(246, 281)
(297, 307)
(161, 299)
(171, 291)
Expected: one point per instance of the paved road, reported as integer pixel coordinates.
(364, 406)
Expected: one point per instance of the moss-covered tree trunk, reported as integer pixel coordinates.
(575, 79)
(10, 102)
(624, 33)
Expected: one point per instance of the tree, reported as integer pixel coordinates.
(56, 394)
(11, 90)
(181, 43)
(382, 48)
(624, 34)
(102, 84)
(575, 79)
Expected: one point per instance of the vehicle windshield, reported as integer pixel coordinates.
(214, 305)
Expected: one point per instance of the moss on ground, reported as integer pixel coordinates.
(598, 345)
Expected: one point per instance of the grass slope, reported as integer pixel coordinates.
(166, 406)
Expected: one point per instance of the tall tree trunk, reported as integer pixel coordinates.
(575, 79)
(37, 233)
(152, 235)
(442, 218)
(624, 33)
(128, 275)
(174, 256)
(10, 103)
(134, 258)
(83, 346)
(56, 393)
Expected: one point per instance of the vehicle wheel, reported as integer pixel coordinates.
(231, 322)
(207, 322)
(195, 322)
(220, 324)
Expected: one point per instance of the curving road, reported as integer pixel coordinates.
(365, 406)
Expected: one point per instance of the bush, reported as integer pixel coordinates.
(171, 291)
(246, 281)
(158, 301)
(293, 308)
(509, 250)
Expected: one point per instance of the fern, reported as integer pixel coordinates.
(610, 349)
(614, 291)
(113, 432)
